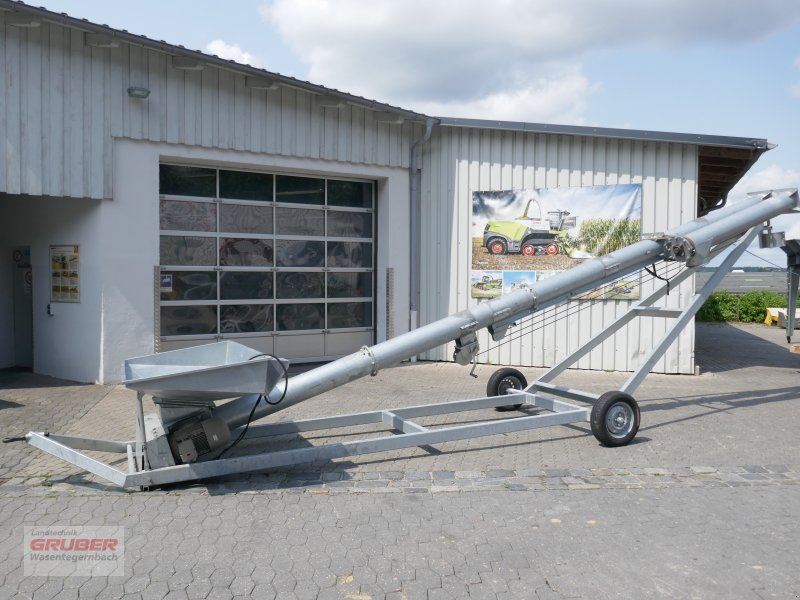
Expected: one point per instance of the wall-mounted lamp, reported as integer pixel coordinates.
(260, 83)
(388, 117)
(20, 20)
(185, 63)
(100, 40)
(138, 92)
(329, 102)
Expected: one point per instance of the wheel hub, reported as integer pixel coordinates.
(619, 419)
(509, 384)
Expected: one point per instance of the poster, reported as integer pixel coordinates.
(65, 285)
(523, 236)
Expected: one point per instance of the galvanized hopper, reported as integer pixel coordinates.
(204, 373)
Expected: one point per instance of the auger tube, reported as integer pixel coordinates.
(692, 243)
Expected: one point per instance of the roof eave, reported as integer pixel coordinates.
(606, 132)
(162, 46)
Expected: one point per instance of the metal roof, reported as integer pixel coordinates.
(625, 134)
(722, 160)
(211, 59)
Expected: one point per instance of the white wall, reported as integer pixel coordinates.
(461, 160)
(67, 344)
(130, 231)
(130, 239)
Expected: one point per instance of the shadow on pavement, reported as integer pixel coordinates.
(721, 347)
(26, 379)
(729, 401)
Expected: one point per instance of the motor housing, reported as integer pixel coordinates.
(193, 438)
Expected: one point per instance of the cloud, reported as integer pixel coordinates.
(560, 98)
(772, 177)
(233, 52)
(475, 54)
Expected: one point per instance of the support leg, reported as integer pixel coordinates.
(688, 314)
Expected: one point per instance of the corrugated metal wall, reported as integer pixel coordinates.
(460, 161)
(63, 102)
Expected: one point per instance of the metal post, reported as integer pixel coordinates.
(792, 249)
(140, 433)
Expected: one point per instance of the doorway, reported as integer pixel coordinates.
(22, 290)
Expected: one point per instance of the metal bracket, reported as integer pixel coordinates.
(366, 351)
(466, 348)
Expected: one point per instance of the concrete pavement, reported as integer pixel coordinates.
(704, 504)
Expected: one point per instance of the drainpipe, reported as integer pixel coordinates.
(415, 180)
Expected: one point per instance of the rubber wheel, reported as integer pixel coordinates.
(503, 380)
(497, 246)
(615, 419)
(528, 249)
(551, 249)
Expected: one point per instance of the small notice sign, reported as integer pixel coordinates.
(65, 284)
(166, 282)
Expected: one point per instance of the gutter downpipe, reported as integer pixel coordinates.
(415, 223)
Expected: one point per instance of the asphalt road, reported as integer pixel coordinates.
(739, 283)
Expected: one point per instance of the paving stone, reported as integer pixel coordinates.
(476, 517)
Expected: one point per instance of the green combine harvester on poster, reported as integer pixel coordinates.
(529, 235)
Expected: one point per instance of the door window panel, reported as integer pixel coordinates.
(245, 252)
(188, 320)
(355, 194)
(297, 317)
(350, 254)
(292, 284)
(245, 218)
(242, 185)
(187, 181)
(299, 190)
(241, 285)
(191, 285)
(349, 224)
(245, 318)
(295, 253)
(299, 221)
(188, 250)
(181, 215)
(349, 285)
(344, 315)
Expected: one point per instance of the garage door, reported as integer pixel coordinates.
(281, 263)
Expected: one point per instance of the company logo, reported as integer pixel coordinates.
(74, 551)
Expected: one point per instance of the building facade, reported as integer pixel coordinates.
(153, 197)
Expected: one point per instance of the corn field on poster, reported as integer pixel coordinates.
(523, 236)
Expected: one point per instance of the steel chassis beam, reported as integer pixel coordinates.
(409, 434)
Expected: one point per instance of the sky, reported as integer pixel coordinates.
(716, 67)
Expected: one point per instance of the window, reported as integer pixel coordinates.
(252, 254)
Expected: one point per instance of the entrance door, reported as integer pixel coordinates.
(23, 307)
(281, 263)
